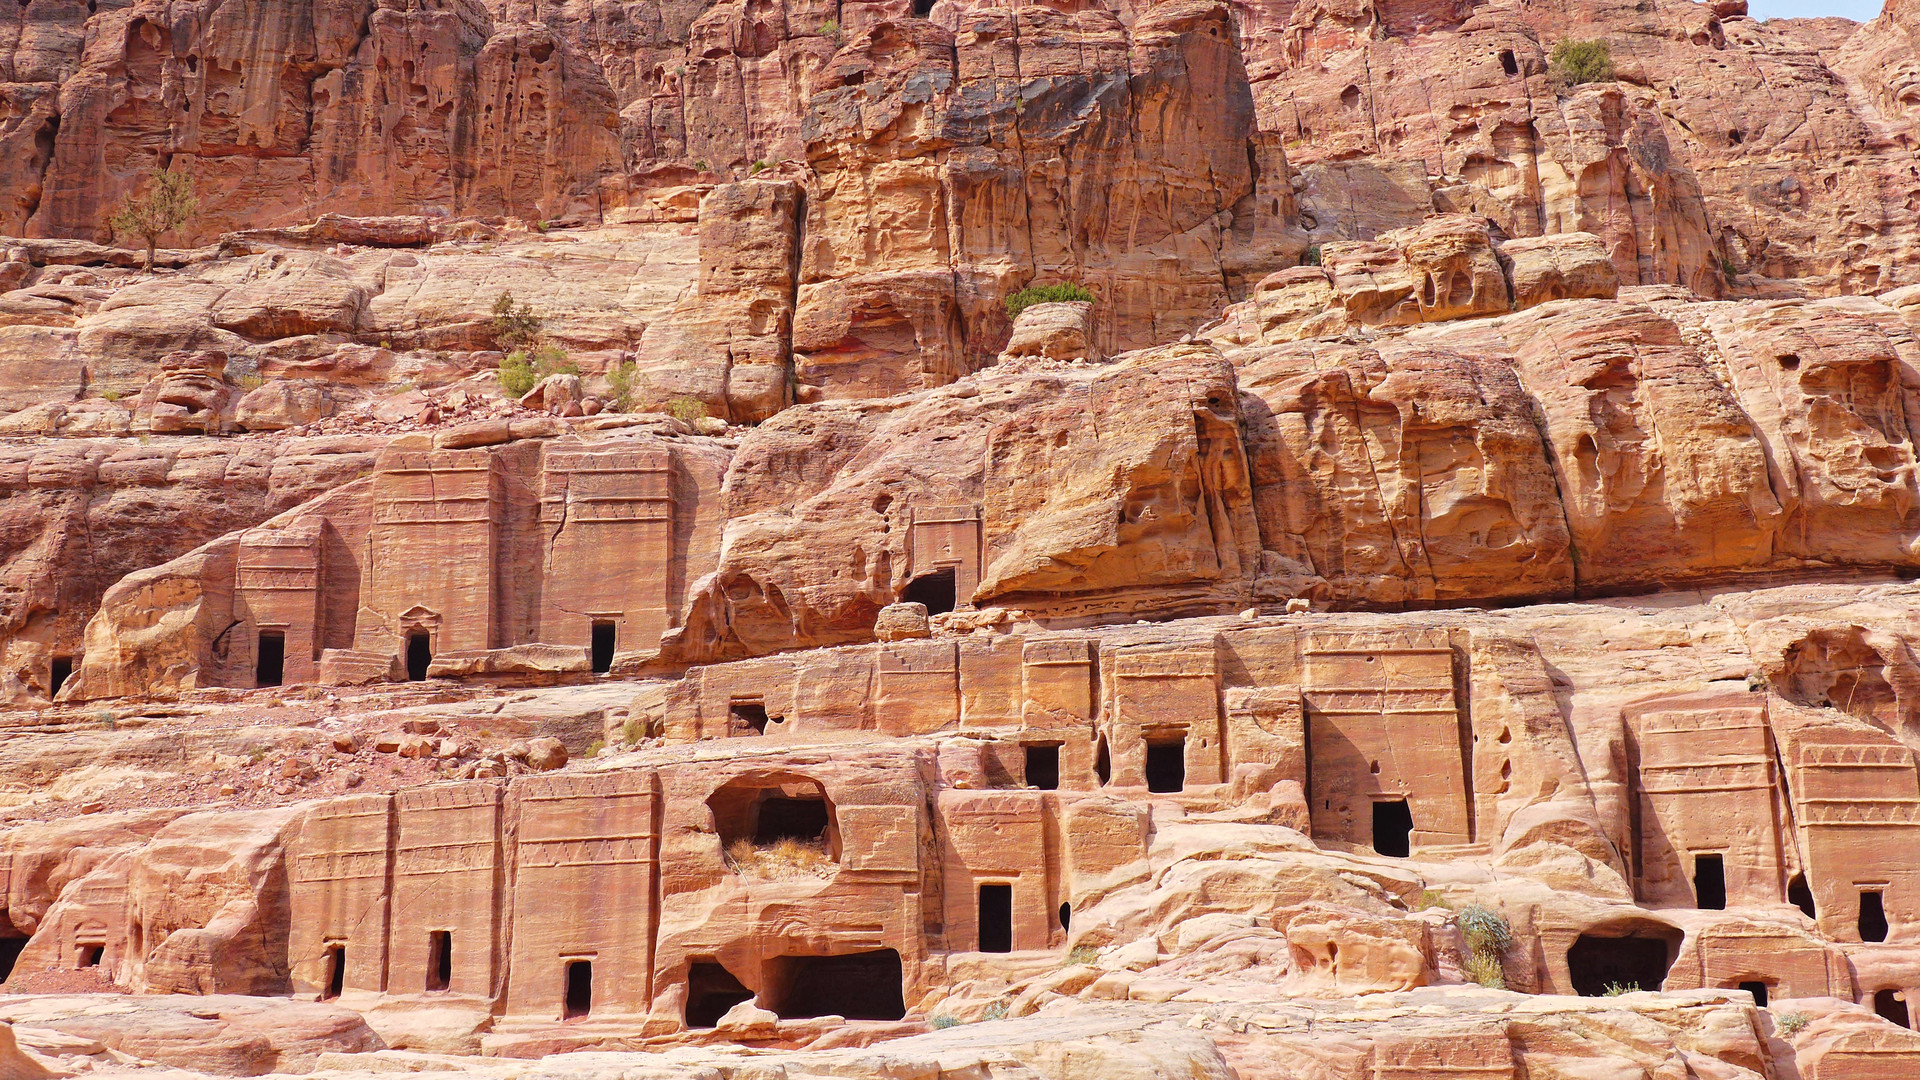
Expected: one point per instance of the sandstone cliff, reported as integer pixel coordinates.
(771, 538)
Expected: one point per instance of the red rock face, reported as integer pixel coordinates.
(282, 110)
(1196, 539)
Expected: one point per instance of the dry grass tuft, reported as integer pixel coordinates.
(786, 858)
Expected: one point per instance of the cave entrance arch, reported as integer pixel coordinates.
(756, 813)
(711, 991)
(1632, 955)
(10, 948)
(1890, 1006)
(1800, 896)
(936, 590)
(858, 986)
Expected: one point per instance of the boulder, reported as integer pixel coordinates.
(279, 404)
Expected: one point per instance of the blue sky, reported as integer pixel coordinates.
(1807, 9)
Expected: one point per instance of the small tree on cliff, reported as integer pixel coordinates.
(1578, 62)
(168, 203)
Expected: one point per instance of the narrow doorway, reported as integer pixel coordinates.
(270, 659)
(1167, 765)
(603, 634)
(1043, 767)
(419, 655)
(1102, 762)
(336, 973)
(1709, 883)
(1393, 829)
(1873, 916)
(61, 671)
(996, 918)
(439, 960)
(579, 989)
(91, 955)
(1758, 990)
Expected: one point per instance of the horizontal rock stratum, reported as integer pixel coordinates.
(946, 538)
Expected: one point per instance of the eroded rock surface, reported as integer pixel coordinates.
(582, 559)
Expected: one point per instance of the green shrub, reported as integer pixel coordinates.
(1488, 938)
(1486, 929)
(995, 1011)
(1615, 989)
(514, 327)
(1312, 257)
(1082, 954)
(633, 730)
(516, 374)
(1576, 62)
(1791, 1023)
(685, 408)
(942, 1022)
(830, 28)
(520, 372)
(1486, 971)
(551, 359)
(756, 168)
(620, 381)
(1044, 294)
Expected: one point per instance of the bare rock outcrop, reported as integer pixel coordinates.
(1115, 488)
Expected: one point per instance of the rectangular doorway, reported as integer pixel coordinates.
(579, 989)
(603, 636)
(1393, 829)
(270, 660)
(996, 918)
(1709, 882)
(419, 655)
(335, 978)
(1043, 767)
(439, 960)
(1167, 765)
